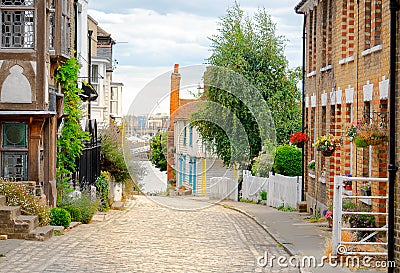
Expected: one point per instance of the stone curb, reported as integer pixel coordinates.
(289, 249)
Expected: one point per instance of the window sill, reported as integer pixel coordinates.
(322, 180)
(371, 50)
(346, 60)
(312, 175)
(312, 73)
(326, 68)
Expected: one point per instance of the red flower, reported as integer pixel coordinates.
(298, 137)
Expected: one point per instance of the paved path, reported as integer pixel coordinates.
(148, 238)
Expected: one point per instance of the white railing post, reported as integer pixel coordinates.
(337, 214)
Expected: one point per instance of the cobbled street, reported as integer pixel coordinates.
(146, 237)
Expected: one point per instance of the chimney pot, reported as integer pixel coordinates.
(176, 67)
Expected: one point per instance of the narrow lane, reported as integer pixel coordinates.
(149, 238)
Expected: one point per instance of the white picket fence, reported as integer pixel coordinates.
(222, 188)
(281, 190)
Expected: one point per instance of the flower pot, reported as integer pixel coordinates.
(365, 192)
(327, 152)
(348, 187)
(300, 145)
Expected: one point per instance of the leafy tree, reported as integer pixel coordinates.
(112, 154)
(250, 47)
(70, 143)
(158, 146)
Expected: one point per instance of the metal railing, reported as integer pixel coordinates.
(338, 213)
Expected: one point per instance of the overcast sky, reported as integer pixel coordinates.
(153, 35)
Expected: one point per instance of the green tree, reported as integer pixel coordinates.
(70, 143)
(158, 147)
(112, 153)
(250, 47)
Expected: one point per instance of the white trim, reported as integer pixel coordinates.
(368, 90)
(371, 50)
(349, 95)
(384, 88)
(314, 101)
(339, 96)
(324, 99)
(326, 68)
(312, 73)
(332, 96)
(346, 60)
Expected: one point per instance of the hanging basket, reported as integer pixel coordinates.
(327, 152)
(300, 145)
(376, 141)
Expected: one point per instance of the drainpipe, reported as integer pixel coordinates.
(90, 32)
(76, 28)
(392, 168)
(303, 105)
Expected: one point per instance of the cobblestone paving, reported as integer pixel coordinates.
(148, 238)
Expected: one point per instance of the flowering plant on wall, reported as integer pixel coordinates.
(327, 144)
(351, 131)
(298, 139)
(372, 133)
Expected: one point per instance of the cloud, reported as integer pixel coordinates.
(153, 35)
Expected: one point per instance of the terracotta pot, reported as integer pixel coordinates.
(300, 144)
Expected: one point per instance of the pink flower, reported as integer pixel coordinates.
(328, 214)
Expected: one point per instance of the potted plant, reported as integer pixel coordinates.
(351, 131)
(311, 166)
(360, 220)
(366, 189)
(298, 139)
(327, 144)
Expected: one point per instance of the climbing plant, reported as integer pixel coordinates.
(70, 143)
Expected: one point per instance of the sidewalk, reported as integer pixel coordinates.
(293, 232)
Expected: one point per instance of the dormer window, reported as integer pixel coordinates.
(17, 23)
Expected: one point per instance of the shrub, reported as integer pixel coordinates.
(288, 161)
(18, 194)
(60, 217)
(76, 214)
(86, 206)
(103, 190)
(263, 195)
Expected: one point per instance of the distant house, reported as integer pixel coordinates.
(187, 155)
(107, 107)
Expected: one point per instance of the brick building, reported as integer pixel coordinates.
(347, 72)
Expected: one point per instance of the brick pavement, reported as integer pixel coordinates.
(149, 238)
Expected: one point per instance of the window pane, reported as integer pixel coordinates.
(27, 3)
(114, 93)
(95, 73)
(113, 107)
(15, 135)
(15, 165)
(17, 29)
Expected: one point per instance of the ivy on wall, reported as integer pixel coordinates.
(70, 143)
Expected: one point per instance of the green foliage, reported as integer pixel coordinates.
(70, 143)
(264, 162)
(112, 154)
(18, 194)
(251, 48)
(60, 217)
(288, 208)
(158, 146)
(263, 195)
(86, 206)
(76, 214)
(103, 190)
(288, 161)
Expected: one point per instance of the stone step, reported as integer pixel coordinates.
(41, 234)
(9, 213)
(2, 200)
(26, 223)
